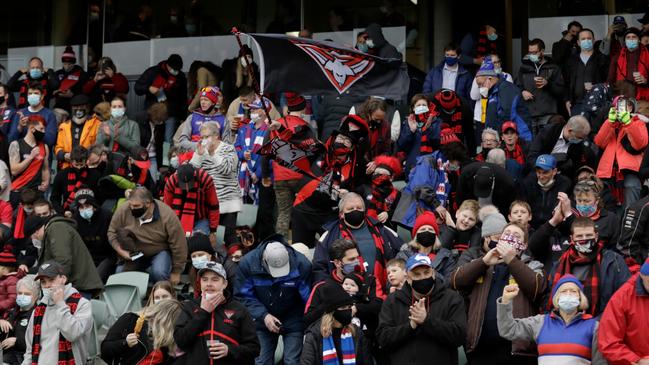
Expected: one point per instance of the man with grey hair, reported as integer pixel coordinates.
(490, 140)
(149, 226)
(376, 243)
(567, 142)
(497, 157)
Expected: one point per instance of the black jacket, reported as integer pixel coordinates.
(229, 323)
(438, 338)
(176, 95)
(23, 79)
(142, 119)
(114, 349)
(64, 103)
(60, 192)
(18, 320)
(634, 239)
(94, 233)
(595, 71)
(545, 99)
(541, 201)
(312, 347)
(504, 191)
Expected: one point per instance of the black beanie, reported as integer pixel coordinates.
(200, 242)
(334, 296)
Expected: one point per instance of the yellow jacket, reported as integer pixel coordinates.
(64, 138)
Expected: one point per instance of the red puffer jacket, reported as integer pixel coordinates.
(610, 138)
(642, 91)
(8, 292)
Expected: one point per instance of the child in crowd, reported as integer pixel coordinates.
(396, 274)
(520, 212)
(466, 232)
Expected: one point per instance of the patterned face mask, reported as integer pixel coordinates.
(514, 241)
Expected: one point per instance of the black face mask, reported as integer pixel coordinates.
(38, 135)
(492, 244)
(209, 110)
(355, 217)
(426, 239)
(423, 286)
(138, 212)
(343, 316)
(2, 99)
(374, 124)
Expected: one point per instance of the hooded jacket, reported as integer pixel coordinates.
(175, 88)
(618, 140)
(381, 48)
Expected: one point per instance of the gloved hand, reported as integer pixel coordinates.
(625, 118)
(612, 115)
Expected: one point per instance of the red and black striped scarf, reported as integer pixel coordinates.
(75, 180)
(591, 284)
(66, 357)
(516, 155)
(383, 196)
(185, 204)
(485, 46)
(380, 273)
(425, 147)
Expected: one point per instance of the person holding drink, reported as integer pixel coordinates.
(632, 65)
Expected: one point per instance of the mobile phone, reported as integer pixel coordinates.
(621, 106)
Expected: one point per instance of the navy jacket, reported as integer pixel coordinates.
(435, 77)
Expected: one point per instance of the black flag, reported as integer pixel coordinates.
(309, 67)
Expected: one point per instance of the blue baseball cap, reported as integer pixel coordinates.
(546, 162)
(619, 19)
(644, 270)
(418, 260)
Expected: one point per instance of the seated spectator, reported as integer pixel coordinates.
(464, 233)
(633, 243)
(515, 148)
(147, 335)
(15, 324)
(484, 272)
(119, 133)
(631, 57)
(199, 247)
(38, 109)
(490, 140)
(568, 45)
(106, 84)
(567, 333)
(7, 112)
(188, 135)
(375, 112)
(9, 276)
(154, 229)
(420, 134)
(71, 78)
(80, 131)
(275, 307)
(24, 78)
(63, 317)
(449, 74)
(28, 160)
(69, 180)
(488, 184)
(383, 197)
(333, 337)
(586, 173)
(626, 313)
(423, 320)
(396, 274)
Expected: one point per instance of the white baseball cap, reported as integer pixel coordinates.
(276, 258)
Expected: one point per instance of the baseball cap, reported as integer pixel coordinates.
(49, 269)
(509, 125)
(185, 176)
(546, 162)
(276, 258)
(619, 19)
(418, 260)
(483, 182)
(33, 223)
(214, 267)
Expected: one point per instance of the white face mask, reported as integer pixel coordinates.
(254, 116)
(421, 109)
(37, 243)
(484, 91)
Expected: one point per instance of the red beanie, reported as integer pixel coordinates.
(295, 101)
(185, 157)
(389, 163)
(7, 258)
(425, 219)
(447, 99)
(68, 55)
(447, 136)
(211, 92)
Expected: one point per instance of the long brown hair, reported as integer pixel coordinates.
(165, 285)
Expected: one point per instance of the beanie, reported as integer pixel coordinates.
(294, 101)
(487, 69)
(493, 224)
(447, 136)
(199, 242)
(644, 270)
(447, 99)
(356, 278)
(212, 93)
(68, 55)
(334, 296)
(7, 258)
(567, 279)
(389, 163)
(425, 219)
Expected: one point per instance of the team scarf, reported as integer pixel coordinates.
(485, 46)
(66, 356)
(71, 79)
(164, 80)
(185, 203)
(329, 353)
(516, 155)
(253, 140)
(383, 196)
(75, 180)
(591, 284)
(380, 273)
(21, 217)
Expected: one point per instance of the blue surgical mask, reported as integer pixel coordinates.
(451, 61)
(86, 213)
(586, 44)
(586, 210)
(350, 268)
(363, 47)
(190, 28)
(173, 72)
(421, 109)
(117, 112)
(23, 301)
(575, 140)
(492, 37)
(35, 73)
(498, 70)
(33, 99)
(200, 262)
(568, 303)
(534, 58)
(631, 44)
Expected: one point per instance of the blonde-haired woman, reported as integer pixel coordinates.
(567, 335)
(333, 339)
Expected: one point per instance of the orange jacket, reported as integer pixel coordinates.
(609, 138)
(64, 138)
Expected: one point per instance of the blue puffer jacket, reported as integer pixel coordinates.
(282, 297)
(435, 77)
(503, 104)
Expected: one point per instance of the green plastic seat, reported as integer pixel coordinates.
(248, 215)
(138, 279)
(120, 299)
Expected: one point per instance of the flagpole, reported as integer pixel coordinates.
(251, 74)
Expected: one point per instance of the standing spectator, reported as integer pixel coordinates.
(71, 77)
(424, 320)
(583, 70)
(7, 111)
(250, 139)
(449, 74)
(151, 125)
(69, 180)
(374, 112)
(239, 109)
(455, 114)
(481, 101)
(475, 47)
(165, 82)
(273, 282)
(624, 140)
(28, 160)
(567, 46)
(188, 134)
(625, 320)
(36, 108)
(377, 43)
(236, 77)
(190, 192)
(613, 43)
(60, 326)
(119, 133)
(201, 74)
(15, 325)
(219, 160)
(81, 130)
(541, 83)
(23, 79)
(634, 237)
(383, 197)
(156, 232)
(488, 184)
(632, 65)
(106, 84)
(420, 134)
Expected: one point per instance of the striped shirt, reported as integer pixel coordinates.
(222, 166)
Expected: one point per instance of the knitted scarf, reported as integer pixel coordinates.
(383, 196)
(485, 46)
(66, 357)
(185, 205)
(591, 284)
(425, 147)
(329, 354)
(516, 155)
(75, 180)
(380, 272)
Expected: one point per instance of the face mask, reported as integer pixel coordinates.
(350, 268)
(534, 58)
(208, 110)
(452, 167)
(173, 72)
(200, 262)
(498, 70)
(190, 28)
(254, 116)
(173, 19)
(37, 243)
(514, 241)
(86, 213)
(355, 218)
(568, 303)
(586, 44)
(33, 99)
(423, 286)
(138, 212)
(244, 62)
(46, 294)
(28, 211)
(492, 37)
(80, 113)
(173, 162)
(426, 239)
(631, 44)
(492, 244)
(585, 210)
(547, 185)
(575, 140)
(370, 43)
(35, 73)
(339, 149)
(343, 316)
(117, 112)
(381, 180)
(451, 61)
(363, 47)
(421, 109)
(23, 301)
(2, 99)
(484, 91)
(38, 135)
(94, 16)
(585, 246)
